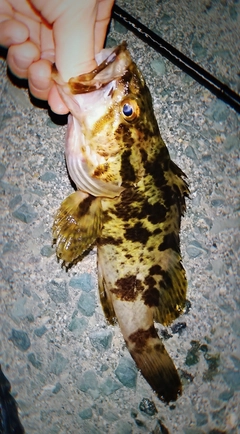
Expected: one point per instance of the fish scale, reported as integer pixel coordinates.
(129, 202)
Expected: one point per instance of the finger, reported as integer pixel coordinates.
(39, 79)
(47, 44)
(74, 39)
(102, 20)
(25, 8)
(32, 25)
(12, 32)
(5, 8)
(21, 56)
(56, 103)
(73, 30)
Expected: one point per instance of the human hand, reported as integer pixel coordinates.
(38, 33)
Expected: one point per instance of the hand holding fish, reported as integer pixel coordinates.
(38, 33)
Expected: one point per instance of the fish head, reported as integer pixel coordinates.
(111, 112)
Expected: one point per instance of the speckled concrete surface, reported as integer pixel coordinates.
(71, 372)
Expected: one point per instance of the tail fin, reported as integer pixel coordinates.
(155, 363)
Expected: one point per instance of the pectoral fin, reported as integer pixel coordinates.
(77, 225)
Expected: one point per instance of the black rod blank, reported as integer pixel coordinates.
(179, 59)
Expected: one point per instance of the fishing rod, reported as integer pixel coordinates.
(179, 59)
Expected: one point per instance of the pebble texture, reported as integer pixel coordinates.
(70, 371)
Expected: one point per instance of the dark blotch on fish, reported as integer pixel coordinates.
(170, 241)
(127, 288)
(137, 233)
(127, 171)
(140, 337)
(84, 207)
(109, 240)
(151, 297)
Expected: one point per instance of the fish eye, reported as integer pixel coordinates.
(127, 110)
(130, 109)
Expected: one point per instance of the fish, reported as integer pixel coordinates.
(129, 200)
(9, 419)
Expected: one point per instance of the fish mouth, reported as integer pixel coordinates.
(112, 64)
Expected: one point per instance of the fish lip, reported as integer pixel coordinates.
(94, 80)
(113, 64)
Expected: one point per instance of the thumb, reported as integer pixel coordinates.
(73, 23)
(73, 34)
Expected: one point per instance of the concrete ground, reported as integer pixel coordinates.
(70, 371)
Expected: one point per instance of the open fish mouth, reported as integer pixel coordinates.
(112, 63)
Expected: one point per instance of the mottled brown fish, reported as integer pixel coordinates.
(129, 201)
